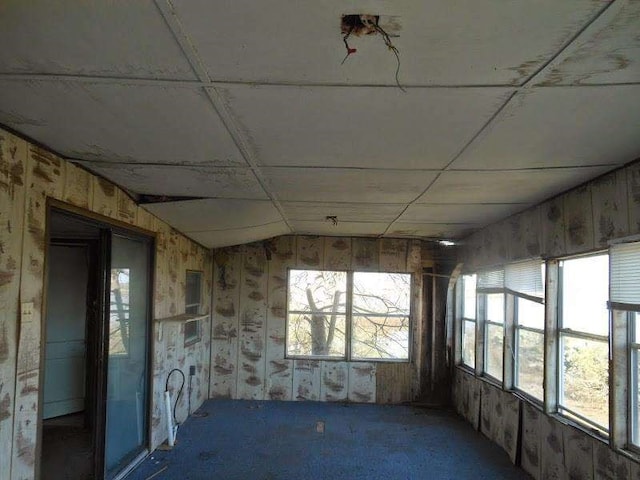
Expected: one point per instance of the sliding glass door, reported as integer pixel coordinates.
(127, 343)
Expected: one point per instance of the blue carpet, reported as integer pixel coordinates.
(280, 440)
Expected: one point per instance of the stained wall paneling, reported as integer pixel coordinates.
(253, 313)
(13, 162)
(44, 178)
(279, 370)
(225, 323)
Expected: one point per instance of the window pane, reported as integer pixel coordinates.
(381, 293)
(585, 378)
(530, 314)
(319, 335)
(380, 337)
(585, 291)
(469, 296)
(318, 291)
(636, 327)
(635, 396)
(530, 362)
(494, 340)
(469, 343)
(193, 289)
(495, 307)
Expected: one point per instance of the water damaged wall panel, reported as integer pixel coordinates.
(246, 349)
(29, 177)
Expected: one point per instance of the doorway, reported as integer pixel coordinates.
(95, 400)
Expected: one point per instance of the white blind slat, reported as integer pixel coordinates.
(491, 279)
(526, 278)
(624, 265)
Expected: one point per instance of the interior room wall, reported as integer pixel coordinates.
(248, 345)
(581, 220)
(29, 175)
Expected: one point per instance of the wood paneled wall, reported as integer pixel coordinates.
(248, 345)
(29, 176)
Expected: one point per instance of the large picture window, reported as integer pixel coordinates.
(584, 340)
(348, 315)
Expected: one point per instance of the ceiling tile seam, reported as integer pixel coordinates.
(158, 164)
(244, 227)
(482, 129)
(197, 84)
(168, 13)
(191, 54)
(97, 79)
(602, 16)
(435, 179)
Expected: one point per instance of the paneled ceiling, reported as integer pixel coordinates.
(245, 108)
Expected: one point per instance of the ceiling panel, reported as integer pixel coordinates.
(188, 181)
(364, 127)
(345, 212)
(611, 54)
(430, 230)
(89, 37)
(563, 126)
(215, 213)
(523, 186)
(440, 42)
(347, 185)
(111, 122)
(343, 228)
(471, 213)
(223, 238)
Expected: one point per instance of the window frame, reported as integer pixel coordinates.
(482, 302)
(516, 343)
(192, 339)
(348, 314)
(560, 333)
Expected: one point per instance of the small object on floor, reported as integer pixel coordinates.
(200, 414)
(320, 427)
(165, 447)
(158, 472)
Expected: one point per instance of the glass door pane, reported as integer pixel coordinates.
(127, 365)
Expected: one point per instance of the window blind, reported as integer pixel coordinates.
(526, 279)
(624, 265)
(490, 280)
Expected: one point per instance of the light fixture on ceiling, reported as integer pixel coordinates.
(446, 243)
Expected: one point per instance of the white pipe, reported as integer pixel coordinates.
(170, 427)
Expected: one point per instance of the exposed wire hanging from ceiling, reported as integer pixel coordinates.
(368, 25)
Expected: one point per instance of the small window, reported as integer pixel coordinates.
(584, 340)
(348, 315)
(469, 320)
(193, 302)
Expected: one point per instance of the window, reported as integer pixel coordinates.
(525, 281)
(624, 299)
(193, 301)
(469, 320)
(348, 315)
(490, 289)
(583, 326)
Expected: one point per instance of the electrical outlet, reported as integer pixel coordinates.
(192, 370)
(26, 312)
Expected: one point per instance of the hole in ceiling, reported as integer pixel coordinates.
(164, 198)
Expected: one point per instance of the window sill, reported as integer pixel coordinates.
(183, 318)
(491, 381)
(591, 431)
(466, 369)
